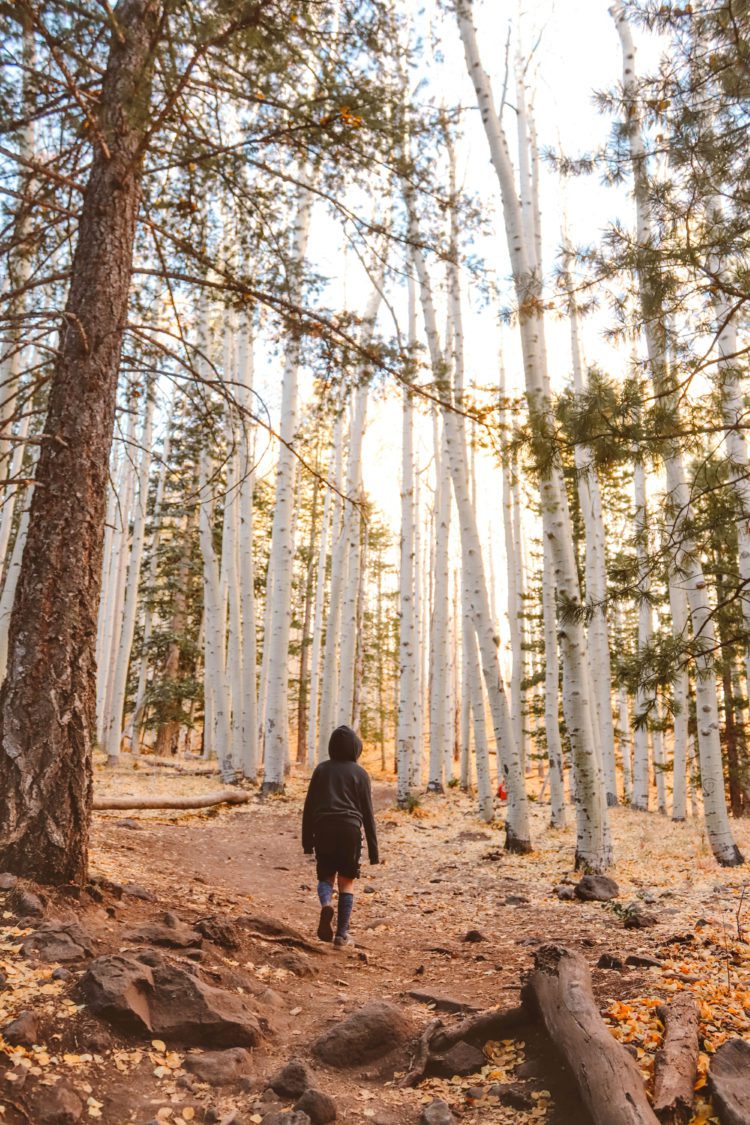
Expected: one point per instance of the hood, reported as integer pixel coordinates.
(344, 745)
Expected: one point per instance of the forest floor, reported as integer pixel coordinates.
(444, 874)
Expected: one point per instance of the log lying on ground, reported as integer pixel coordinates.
(676, 1064)
(219, 797)
(610, 1083)
(729, 1079)
(495, 1023)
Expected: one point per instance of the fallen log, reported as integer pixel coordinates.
(610, 1083)
(729, 1079)
(219, 797)
(676, 1063)
(495, 1023)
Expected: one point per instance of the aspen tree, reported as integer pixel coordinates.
(593, 845)
(408, 698)
(279, 579)
(113, 725)
(686, 557)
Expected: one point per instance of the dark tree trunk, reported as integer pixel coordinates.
(47, 704)
(736, 788)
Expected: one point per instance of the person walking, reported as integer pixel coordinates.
(338, 808)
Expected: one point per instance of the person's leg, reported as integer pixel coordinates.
(346, 903)
(326, 877)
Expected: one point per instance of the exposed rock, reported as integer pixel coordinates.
(531, 1068)
(276, 1117)
(23, 1031)
(62, 974)
(439, 1002)
(461, 1059)
(292, 1080)
(729, 1078)
(25, 904)
(437, 1113)
(58, 941)
(369, 1033)
(474, 936)
(168, 1001)
(96, 1039)
(319, 1107)
(609, 961)
(220, 1068)
(275, 930)
(221, 930)
(596, 888)
(109, 885)
(642, 961)
(516, 900)
(511, 1094)
(7, 881)
(170, 932)
(296, 963)
(565, 892)
(639, 919)
(272, 999)
(135, 890)
(56, 1105)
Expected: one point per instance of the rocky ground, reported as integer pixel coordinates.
(185, 982)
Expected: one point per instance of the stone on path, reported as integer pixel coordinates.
(168, 1001)
(23, 1031)
(596, 888)
(437, 1113)
(57, 1105)
(170, 932)
(461, 1059)
(292, 1080)
(7, 881)
(440, 1002)
(319, 1107)
(369, 1033)
(58, 941)
(220, 1068)
(277, 1117)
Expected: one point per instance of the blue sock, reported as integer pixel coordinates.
(325, 892)
(346, 902)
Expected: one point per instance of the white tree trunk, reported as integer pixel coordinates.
(687, 558)
(477, 599)
(217, 732)
(408, 700)
(248, 756)
(552, 698)
(279, 580)
(643, 697)
(113, 724)
(318, 613)
(593, 843)
(441, 726)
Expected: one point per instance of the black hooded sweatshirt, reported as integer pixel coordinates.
(340, 788)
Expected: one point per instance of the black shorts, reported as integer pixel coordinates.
(338, 845)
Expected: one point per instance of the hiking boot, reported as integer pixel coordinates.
(343, 941)
(325, 925)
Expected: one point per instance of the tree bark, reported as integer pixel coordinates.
(607, 1077)
(48, 700)
(219, 797)
(676, 1064)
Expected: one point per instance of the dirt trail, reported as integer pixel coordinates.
(444, 874)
